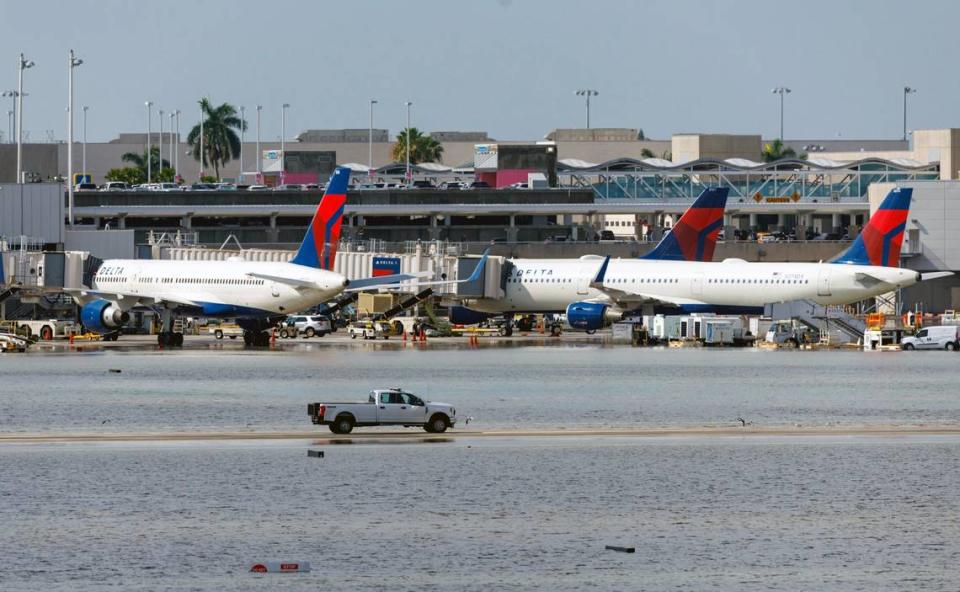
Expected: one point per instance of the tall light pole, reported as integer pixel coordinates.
(22, 65)
(370, 141)
(201, 141)
(243, 125)
(160, 146)
(149, 104)
(587, 92)
(173, 115)
(9, 126)
(407, 175)
(72, 63)
(781, 90)
(906, 91)
(84, 160)
(12, 113)
(259, 155)
(176, 153)
(283, 135)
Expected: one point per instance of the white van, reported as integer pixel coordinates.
(938, 337)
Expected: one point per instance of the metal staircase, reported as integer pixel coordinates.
(831, 321)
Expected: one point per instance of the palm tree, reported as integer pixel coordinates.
(139, 161)
(423, 148)
(775, 151)
(220, 142)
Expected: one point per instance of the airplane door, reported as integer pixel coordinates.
(696, 285)
(583, 279)
(823, 281)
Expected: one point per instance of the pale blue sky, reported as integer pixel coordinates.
(505, 66)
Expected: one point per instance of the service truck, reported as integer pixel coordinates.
(384, 407)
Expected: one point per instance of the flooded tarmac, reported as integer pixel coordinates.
(839, 480)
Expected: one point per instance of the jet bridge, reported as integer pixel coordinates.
(491, 284)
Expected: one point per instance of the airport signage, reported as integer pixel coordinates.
(386, 266)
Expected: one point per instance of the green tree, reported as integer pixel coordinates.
(776, 151)
(130, 175)
(647, 153)
(157, 164)
(423, 148)
(221, 144)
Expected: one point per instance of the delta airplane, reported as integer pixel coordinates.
(549, 285)
(257, 294)
(594, 291)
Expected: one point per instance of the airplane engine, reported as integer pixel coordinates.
(103, 316)
(588, 316)
(461, 315)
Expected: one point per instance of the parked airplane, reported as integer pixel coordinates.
(595, 290)
(257, 294)
(692, 238)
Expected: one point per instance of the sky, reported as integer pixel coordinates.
(508, 67)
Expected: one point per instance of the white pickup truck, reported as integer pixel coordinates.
(384, 407)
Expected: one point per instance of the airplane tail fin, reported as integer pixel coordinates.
(694, 236)
(879, 241)
(319, 246)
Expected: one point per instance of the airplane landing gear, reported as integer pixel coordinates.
(256, 338)
(167, 337)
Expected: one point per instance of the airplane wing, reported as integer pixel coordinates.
(294, 282)
(630, 299)
(127, 300)
(384, 281)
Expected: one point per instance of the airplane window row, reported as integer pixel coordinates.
(643, 281)
(756, 281)
(206, 281)
(215, 281)
(523, 280)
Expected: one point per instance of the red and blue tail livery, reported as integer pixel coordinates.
(879, 242)
(694, 236)
(319, 246)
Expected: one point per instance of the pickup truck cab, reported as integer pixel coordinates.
(384, 407)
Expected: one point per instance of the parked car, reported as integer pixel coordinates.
(289, 187)
(115, 186)
(422, 184)
(203, 187)
(478, 185)
(168, 187)
(312, 187)
(258, 188)
(306, 325)
(936, 337)
(394, 407)
(85, 187)
(453, 185)
(226, 187)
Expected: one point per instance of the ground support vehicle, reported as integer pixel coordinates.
(225, 330)
(384, 407)
(368, 329)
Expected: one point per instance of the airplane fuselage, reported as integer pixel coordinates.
(549, 285)
(218, 288)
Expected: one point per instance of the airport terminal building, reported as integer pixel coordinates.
(598, 184)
